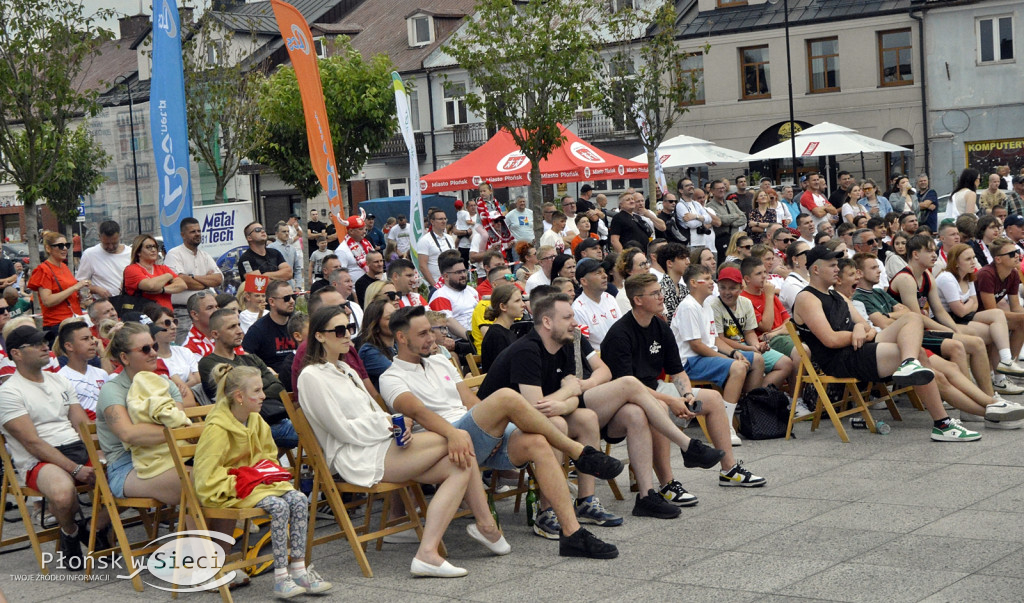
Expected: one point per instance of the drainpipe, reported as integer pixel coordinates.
(430, 103)
(924, 95)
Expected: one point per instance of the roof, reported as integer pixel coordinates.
(758, 17)
(258, 17)
(114, 58)
(384, 30)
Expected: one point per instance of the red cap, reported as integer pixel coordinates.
(458, 205)
(730, 274)
(355, 222)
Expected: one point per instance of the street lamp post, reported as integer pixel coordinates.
(789, 82)
(135, 165)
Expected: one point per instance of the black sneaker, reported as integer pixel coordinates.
(72, 558)
(655, 505)
(594, 462)
(701, 455)
(584, 544)
(102, 536)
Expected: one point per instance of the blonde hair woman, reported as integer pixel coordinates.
(52, 280)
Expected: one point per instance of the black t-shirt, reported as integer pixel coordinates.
(251, 261)
(273, 411)
(582, 207)
(364, 281)
(272, 344)
(327, 228)
(629, 349)
(495, 341)
(624, 225)
(526, 362)
(839, 197)
(6, 268)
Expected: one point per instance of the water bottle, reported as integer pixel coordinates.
(490, 505)
(883, 427)
(306, 479)
(531, 503)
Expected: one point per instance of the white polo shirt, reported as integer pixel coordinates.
(181, 260)
(595, 318)
(434, 381)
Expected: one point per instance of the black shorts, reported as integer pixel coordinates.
(604, 429)
(962, 320)
(932, 341)
(861, 364)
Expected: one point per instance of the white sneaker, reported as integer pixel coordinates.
(1010, 368)
(966, 417)
(801, 409)
(736, 441)
(1007, 387)
(1004, 424)
(1003, 411)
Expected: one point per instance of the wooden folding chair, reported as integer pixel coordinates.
(180, 441)
(807, 374)
(148, 510)
(36, 537)
(473, 360)
(312, 454)
(455, 362)
(198, 413)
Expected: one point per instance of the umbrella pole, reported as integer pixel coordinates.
(863, 172)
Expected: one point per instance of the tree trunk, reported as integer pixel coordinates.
(652, 180)
(32, 238)
(536, 198)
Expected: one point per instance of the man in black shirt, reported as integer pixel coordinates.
(543, 367)
(374, 272)
(315, 227)
(842, 192)
(587, 207)
(260, 259)
(628, 225)
(642, 344)
(268, 338)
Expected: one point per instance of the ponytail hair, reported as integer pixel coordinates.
(229, 379)
(501, 295)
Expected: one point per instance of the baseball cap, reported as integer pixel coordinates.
(458, 205)
(730, 273)
(355, 222)
(586, 244)
(586, 266)
(24, 335)
(1014, 221)
(821, 252)
(1018, 179)
(586, 188)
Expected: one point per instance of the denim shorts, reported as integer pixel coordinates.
(117, 473)
(490, 451)
(714, 369)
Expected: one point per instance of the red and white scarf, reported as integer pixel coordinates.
(359, 250)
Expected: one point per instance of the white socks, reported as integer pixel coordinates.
(297, 569)
(1005, 356)
(730, 410)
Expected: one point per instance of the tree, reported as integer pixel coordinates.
(535, 64)
(45, 47)
(649, 85)
(221, 100)
(79, 173)
(360, 108)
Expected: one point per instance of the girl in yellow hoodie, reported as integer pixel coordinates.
(234, 440)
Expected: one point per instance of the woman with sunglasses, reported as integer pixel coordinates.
(180, 363)
(507, 306)
(761, 217)
(57, 288)
(146, 278)
(876, 205)
(359, 444)
(739, 248)
(383, 290)
(376, 343)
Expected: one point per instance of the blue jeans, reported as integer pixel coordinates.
(284, 434)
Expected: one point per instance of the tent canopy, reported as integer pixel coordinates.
(683, 151)
(827, 139)
(501, 163)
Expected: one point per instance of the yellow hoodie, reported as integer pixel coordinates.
(228, 444)
(149, 401)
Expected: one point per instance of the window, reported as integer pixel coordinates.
(421, 30)
(455, 104)
(894, 49)
(995, 39)
(414, 108)
(755, 72)
(823, 64)
(724, 3)
(320, 46)
(692, 71)
(615, 6)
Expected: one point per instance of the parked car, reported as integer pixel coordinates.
(228, 264)
(16, 252)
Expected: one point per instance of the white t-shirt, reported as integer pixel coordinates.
(464, 221)
(595, 318)
(402, 237)
(182, 261)
(431, 246)
(536, 279)
(246, 318)
(87, 385)
(949, 290)
(693, 321)
(104, 269)
(793, 284)
(553, 239)
(458, 304)
(182, 363)
(350, 261)
(47, 405)
(434, 381)
(570, 227)
(819, 201)
(479, 245)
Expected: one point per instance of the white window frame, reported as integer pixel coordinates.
(996, 49)
(414, 108)
(458, 102)
(411, 24)
(398, 187)
(320, 46)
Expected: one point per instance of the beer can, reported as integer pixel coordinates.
(398, 427)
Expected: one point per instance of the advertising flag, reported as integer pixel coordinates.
(415, 190)
(168, 124)
(298, 40)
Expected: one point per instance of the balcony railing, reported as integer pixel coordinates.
(395, 147)
(597, 126)
(470, 136)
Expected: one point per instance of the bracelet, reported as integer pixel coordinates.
(163, 290)
(75, 472)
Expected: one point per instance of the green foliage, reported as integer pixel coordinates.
(360, 108)
(535, 63)
(45, 46)
(79, 173)
(645, 70)
(221, 101)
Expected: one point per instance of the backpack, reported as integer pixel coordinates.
(764, 413)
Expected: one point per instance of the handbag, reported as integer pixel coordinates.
(128, 303)
(764, 413)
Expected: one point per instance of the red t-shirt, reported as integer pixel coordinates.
(781, 316)
(56, 279)
(988, 282)
(135, 274)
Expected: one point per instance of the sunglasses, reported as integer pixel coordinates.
(151, 247)
(1013, 253)
(799, 253)
(170, 322)
(393, 295)
(343, 330)
(745, 246)
(257, 229)
(4, 310)
(60, 245)
(286, 298)
(146, 349)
